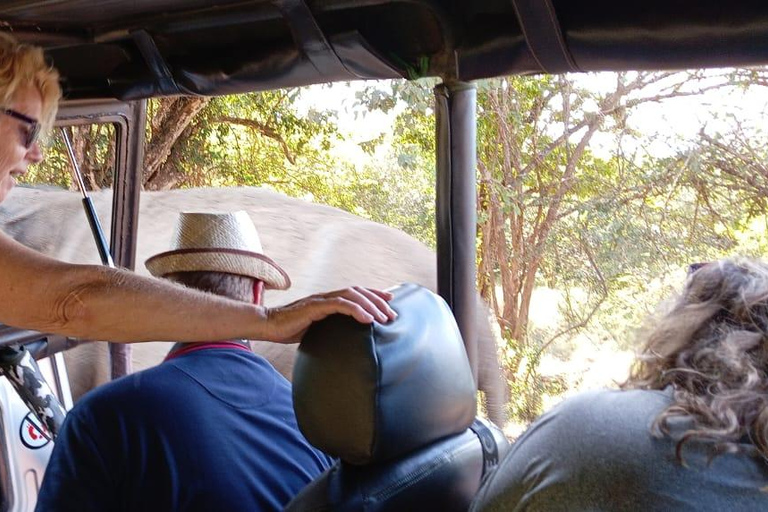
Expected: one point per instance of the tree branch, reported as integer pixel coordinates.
(263, 129)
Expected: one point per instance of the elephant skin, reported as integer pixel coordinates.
(320, 247)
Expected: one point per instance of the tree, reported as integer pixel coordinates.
(550, 211)
(256, 138)
(172, 123)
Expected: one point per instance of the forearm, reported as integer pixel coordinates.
(37, 292)
(102, 303)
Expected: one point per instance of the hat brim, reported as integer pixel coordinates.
(230, 261)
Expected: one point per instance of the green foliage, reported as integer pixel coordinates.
(54, 172)
(401, 196)
(94, 150)
(527, 387)
(414, 71)
(406, 198)
(259, 139)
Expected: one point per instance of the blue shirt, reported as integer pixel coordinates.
(209, 430)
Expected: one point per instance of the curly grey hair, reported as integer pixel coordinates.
(712, 349)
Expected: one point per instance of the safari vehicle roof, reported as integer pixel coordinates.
(129, 49)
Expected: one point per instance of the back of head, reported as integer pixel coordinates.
(711, 348)
(23, 64)
(231, 286)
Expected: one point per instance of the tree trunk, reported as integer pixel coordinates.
(175, 115)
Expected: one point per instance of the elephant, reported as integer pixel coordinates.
(320, 247)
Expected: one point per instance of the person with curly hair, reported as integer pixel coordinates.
(688, 430)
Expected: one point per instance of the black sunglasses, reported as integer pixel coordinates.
(34, 126)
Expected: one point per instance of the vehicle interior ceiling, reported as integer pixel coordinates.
(134, 49)
(129, 49)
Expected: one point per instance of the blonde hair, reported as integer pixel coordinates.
(23, 64)
(711, 348)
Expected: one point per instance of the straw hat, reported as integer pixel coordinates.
(218, 242)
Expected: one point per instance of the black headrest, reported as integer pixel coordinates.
(369, 393)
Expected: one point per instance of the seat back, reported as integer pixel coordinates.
(396, 403)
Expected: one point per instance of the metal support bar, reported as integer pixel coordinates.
(129, 120)
(127, 185)
(90, 211)
(125, 209)
(455, 106)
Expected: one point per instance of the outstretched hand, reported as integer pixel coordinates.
(287, 324)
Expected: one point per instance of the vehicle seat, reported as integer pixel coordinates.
(396, 403)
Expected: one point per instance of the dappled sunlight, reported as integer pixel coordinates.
(580, 361)
(589, 367)
(512, 430)
(545, 313)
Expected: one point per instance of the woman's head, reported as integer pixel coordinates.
(23, 65)
(29, 95)
(712, 349)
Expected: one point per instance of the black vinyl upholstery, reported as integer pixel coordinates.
(395, 403)
(130, 49)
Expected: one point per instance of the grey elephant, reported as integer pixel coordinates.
(320, 247)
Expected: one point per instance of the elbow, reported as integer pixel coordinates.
(73, 312)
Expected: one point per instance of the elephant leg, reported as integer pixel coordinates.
(490, 377)
(87, 367)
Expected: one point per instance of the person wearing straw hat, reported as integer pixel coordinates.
(227, 243)
(210, 428)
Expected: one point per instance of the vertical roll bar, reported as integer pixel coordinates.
(129, 120)
(125, 209)
(456, 208)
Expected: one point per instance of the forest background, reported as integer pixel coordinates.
(594, 191)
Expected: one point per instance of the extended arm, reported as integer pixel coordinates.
(37, 292)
